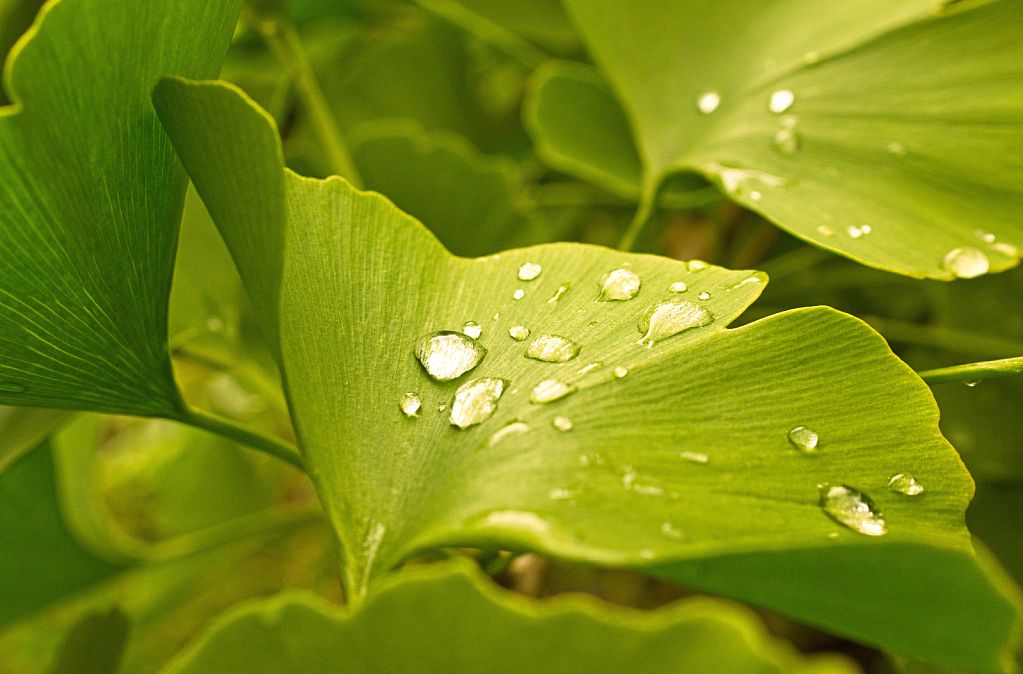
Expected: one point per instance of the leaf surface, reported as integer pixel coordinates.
(407, 626)
(678, 459)
(898, 116)
(90, 198)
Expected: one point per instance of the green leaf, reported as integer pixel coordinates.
(94, 645)
(904, 116)
(23, 428)
(497, 632)
(361, 283)
(90, 197)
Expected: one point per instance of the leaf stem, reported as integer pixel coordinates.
(238, 433)
(906, 332)
(282, 37)
(644, 214)
(973, 371)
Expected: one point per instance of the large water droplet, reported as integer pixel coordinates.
(678, 287)
(410, 403)
(518, 332)
(563, 424)
(786, 141)
(472, 328)
(518, 294)
(447, 355)
(966, 262)
(550, 390)
(804, 439)
(620, 372)
(529, 271)
(552, 349)
(781, 101)
(562, 289)
(905, 484)
(853, 509)
(475, 401)
(708, 102)
(695, 457)
(514, 428)
(670, 317)
(619, 284)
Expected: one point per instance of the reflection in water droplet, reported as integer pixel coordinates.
(781, 101)
(695, 457)
(552, 349)
(519, 294)
(561, 494)
(514, 428)
(619, 284)
(518, 332)
(786, 141)
(853, 509)
(804, 439)
(563, 424)
(550, 390)
(475, 401)
(447, 355)
(905, 484)
(984, 235)
(529, 271)
(966, 262)
(670, 317)
(620, 372)
(562, 289)
(678, 287)
(591, 367)
(708, 102)
(897, 149)
(671, 532)
(472, 328)
(971, 382)
(704, 295)
(410, 404)
(697, 265)
(824, 230)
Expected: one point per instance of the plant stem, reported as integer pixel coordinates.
(478, 25)
(644, 213)
(944, 338)
(283, 39)
(973, 371)
(238, 433)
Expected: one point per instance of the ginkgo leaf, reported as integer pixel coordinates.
(887, 132)
(599, 411)
(90, 199)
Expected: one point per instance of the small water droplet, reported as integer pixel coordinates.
(214, 324)
(854, 232)
(678, 287)
(475, 401)
(755, 196)
(804, 439)
(592, 324)
(591, 367)
(966, 262)
(514, 428)
(697, 265)
(866, 229)
(905, 484)
(618, 284)
(670, 317)
(563, 424)
(410, 403)
(519, 294)
(732, 179)
(984, 235)
(641, 484)
(971, 382)
(529, 271)
(447, 355)
(897, 149)
(561, 494)
(620, 372)
(824, 230)
(518, 332)
(695, 457)
(550, 390)
(441, 406)
(12, 387)
(562, 289)
(786, 141)
(552, 349)
(704, 295)
(472, 328)
(495, 317)
(852, 509)
(781, 101)
(670, 531)
(708, 102)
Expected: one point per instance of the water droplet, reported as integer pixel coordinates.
(518, 332)
(495, 317)
(641, 484)
(549, 391)
(410, 403)
(563, 424)
(678, 287)
(984, 235)
(562, 289)
(519, 294)
(695, 457)
(755, 196)
(786, 141)
(905, 484)
(971, 382)
(897, 149)
(561, 494)
(804, 439)
(441, 406)
(472, 328)
(704, 295)
(514, 428)
(552, 349)
(475, 401)
(620, 372)
(214, 324)
(853, 509)
(866, 229)
(619, 284)
(966, 262)
(516, 519)
(447, 355)
(670, 317)
(591, 367)
(671, 532)
(697, 265)
(781, 101)
(529, 271)
(854, 232)
(824, 230)
(734, 178)
(708, 102)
